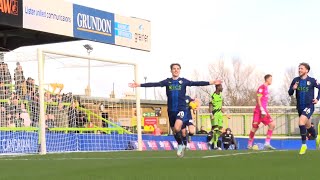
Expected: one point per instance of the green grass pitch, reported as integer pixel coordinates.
(161, 165)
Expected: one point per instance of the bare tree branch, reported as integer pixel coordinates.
(285, 99)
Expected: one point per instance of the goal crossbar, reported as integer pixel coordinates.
(41, 61)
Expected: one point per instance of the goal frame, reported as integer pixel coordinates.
(41, 62)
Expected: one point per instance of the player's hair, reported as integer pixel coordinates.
(175, 64)
(306, 65)
(267, 77)
(217, 85)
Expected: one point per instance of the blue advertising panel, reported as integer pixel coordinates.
(93, 24)
(27, 142)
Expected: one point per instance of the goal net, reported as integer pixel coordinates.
(58, 102)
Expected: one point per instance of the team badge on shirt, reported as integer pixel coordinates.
(308, 83)
(180, 82)
(260, 90)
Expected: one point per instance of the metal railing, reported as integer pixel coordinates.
(285, 117)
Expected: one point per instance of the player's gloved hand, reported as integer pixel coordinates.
(263, 112)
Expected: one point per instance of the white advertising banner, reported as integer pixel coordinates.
(132, 32)
(49, 16)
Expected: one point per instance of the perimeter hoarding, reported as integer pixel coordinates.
(48, 16)
(133, 32)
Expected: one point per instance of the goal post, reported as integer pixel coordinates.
(41, 56)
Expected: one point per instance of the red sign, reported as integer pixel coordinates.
(150, 121)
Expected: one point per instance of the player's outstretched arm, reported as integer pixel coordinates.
(151, 84)
(203, 83)
(134, 85)
(293, 86)
(215, 82)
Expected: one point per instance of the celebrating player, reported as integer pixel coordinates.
(217, 115)
(176, 93)
(261, 114)
(304, 86)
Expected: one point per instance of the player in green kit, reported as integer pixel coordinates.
(217, 115)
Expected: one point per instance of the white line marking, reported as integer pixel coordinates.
(11, 158)
(3, 156)
(242, 153)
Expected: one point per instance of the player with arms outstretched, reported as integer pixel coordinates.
(261, 114)
(176, 93)
(304, 86)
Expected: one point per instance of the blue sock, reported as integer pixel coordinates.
(312, 131)
(303, 133)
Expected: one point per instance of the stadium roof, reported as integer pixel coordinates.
(35, 22)
(12, 38)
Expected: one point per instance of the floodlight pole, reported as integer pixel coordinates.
(89, 74)
(89, 50)
(145, 89)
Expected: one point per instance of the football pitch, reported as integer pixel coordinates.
(160, 165)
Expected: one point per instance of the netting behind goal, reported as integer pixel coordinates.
(87, 104)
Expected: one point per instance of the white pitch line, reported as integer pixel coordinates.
(3, 156)
(243, 153)
(127, 158)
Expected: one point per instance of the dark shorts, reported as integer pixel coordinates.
(188, 123)
(307, 111)
(174, 115)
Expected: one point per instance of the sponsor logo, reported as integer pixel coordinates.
(16, 145)
(94, 24)
(308, 83)
(122, 30)
(140, 37)
(9, 7)
(46, 14)
(303, 89)
(174, 87)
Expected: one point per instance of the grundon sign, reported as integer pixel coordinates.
(92, 24)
